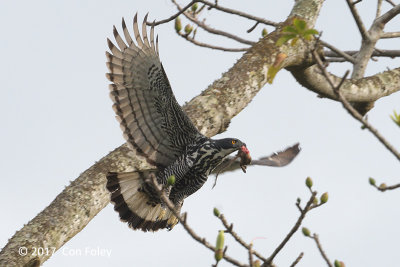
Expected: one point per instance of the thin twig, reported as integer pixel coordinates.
(229, 228)
(386, 35)
(390, 2)
(173, 16)
(385, 18)
(378, 8)
(183, 220)
(297, 260)
(194, 41)
(292, 231)
(251, 255)
(239, 13)
(338, 51)
(357, 18)
(253, 27)
(212, 30)
(321, 250)
(376, 53)
(354, 113)
(385, 187)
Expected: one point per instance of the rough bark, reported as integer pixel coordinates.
(211, 112)
(368, 89)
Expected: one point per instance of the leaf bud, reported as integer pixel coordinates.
(309, 182)
(216, 212)
(171, 180)
(305, 231)
(178, 25)
(324, 198)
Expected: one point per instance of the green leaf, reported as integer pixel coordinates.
(284, 38)
(395, 117)
(300, 25)
(272, 71)
(290, 29)
(264, 32)
(311, 32)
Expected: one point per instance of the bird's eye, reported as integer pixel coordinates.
(233, 142)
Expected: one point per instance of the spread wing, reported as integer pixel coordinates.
(151, 119)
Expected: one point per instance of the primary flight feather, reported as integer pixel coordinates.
(156, 128)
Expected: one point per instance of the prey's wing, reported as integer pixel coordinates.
(277, 159)
(151, 119)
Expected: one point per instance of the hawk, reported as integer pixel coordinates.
(156, 128)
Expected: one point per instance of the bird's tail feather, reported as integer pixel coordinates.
(135, 206)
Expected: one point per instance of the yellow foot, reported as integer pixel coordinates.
(161, 215)
(172, 221)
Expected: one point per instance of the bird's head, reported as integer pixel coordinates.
(230, 145)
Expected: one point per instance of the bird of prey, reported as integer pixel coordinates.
(156, 128)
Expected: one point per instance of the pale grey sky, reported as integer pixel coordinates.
(57, 121)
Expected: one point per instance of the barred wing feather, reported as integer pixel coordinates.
(151, 119)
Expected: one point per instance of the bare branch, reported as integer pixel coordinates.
(212, 30)
(297, 260)
(292, 231)
(383, 187)
(357, 18)
(385, 18)
(369, 41)
(386, 35)
(253, 27)
(338, 52)
(376, 53)
(321, 250)
(229, 229)
(183, 220)
(354, 113)
(390, 2)
(239, 13)
(173, 16)
(250, 250)
(194, 41)
(378, 8)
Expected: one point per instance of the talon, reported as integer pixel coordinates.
(161, 215)
(172, 221)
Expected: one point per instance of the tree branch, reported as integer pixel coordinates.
(297, 260)
(183, 220)
(357, 18)
(292, 231)
(353, 112)
(211, 112)
(339, 52)
(173, 16)
(225, 49)
(386, 35)
(321, 250)
(212, 30)
(229, 228)
(368, 89)
(376, 53)
(239, 13)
